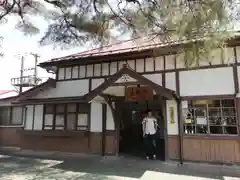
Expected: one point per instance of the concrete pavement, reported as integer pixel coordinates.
(31, 165)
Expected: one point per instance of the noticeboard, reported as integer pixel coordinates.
(139, 93)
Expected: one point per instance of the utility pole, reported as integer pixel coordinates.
(36, 56)
(21, 74)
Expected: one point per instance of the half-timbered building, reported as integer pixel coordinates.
(96, 103)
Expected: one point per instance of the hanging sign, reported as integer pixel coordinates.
(171, 112)
(139, 93)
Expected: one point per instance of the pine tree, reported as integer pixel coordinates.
(98, 21)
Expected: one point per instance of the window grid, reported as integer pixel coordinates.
(67, 111)
(8, 116)
(207, 119)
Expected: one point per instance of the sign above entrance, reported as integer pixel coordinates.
(139, 93)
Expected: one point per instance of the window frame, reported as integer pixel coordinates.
(10, 116)
(54, 126)
(236, 115)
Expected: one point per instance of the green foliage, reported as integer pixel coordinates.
(99, 21)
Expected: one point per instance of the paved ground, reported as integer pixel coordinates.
(55, 166)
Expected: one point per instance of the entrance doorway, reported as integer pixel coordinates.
(131, 135)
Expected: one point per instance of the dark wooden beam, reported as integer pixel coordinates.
(104, 128)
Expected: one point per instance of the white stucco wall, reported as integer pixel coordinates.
(66, 89)
(217, 81)
(97, 82)
(156, 78)
(170, 81)
(110, 121)
(96, 117)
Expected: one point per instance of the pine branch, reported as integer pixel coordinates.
(96, 20)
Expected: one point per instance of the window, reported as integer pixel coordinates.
(5, 115)
(17, 115)
(68, 73)
(66, 116)
(10, 115)
(48, 116)
(210, 117)
(71, 116)
(97, 70)
(61, 73)
(59, 118)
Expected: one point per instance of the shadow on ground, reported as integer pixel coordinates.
(97, 168)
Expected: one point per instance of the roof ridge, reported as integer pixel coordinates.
(139, 43)
(94, 49)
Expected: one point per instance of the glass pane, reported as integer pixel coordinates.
(83, 108)
(230, 121)
(49, 108)
(201, 129)
(89, 70)
(230, 130)
(214, 112)
(228, 103)
(71, 108)
(61, 72)
(113, 68)
(97, 70)
(48, 119)
(105, 69)
(4, 115)
(228, 111)
(82, 120)
(71, 119)
(214, 120)
(59, 120)
(75, 72)
(199, 112)
(216, 130)
(82, 71)
(189, 128)
(60, 108)
(68, 73)
(17, 113)
(200, 103)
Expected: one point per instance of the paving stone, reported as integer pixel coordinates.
(50, 166)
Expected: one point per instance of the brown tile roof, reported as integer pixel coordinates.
(138, 44)
(133, 45)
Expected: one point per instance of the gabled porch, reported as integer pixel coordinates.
(115, 91)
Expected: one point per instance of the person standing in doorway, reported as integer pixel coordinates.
(149, 125)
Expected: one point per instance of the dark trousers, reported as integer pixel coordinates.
(150, 145)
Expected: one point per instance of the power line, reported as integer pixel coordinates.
(30, 80)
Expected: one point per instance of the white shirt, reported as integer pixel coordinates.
(149, 124)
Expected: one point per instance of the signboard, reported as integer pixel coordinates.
(172, 120)
(139, 93)
(171, 113)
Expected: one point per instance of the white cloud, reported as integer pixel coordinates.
(16, 43)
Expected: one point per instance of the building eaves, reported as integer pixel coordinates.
(134, 45)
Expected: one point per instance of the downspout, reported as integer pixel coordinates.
(180, 130)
